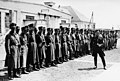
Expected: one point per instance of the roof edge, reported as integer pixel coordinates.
(35, 4)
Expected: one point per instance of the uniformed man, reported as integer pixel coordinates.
(115, 39)
(85, 44)
(69, 43)
(19, 46)
(64, 47)
(50, 55)
(40, 40)
(81, 42)
(53, 42)
(97, 43)
(77, 42)
(32, 48)
(58, 53)
(24, 49)
(73, 41)
(11, 47)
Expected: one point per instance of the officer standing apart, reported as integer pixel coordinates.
(97, 44)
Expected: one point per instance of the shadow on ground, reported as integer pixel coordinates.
(89, 69)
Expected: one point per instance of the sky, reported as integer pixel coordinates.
(106, 13)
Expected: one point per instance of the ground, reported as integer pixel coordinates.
(80, 69)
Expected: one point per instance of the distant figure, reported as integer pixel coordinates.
(97, 44)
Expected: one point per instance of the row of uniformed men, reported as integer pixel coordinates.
(110, 39)
(32, 49)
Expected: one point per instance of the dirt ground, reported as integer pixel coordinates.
(80, 69)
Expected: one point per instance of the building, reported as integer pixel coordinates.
(24, 13)
(79, 20)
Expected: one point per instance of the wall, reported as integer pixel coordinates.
(84, 25)
(21, 9)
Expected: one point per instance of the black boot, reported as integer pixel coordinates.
(24, 71)
(34, 68)
(10, 74)
(19, 72)
(29, 68)
(58, 61)
(15, 74)
(53, 64)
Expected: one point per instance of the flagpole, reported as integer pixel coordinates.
(91, 20)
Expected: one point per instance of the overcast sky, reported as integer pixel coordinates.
(106, 12)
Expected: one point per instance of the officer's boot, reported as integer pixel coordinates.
(42, 63)
(61, 60)
(19, 72)
(38, 66)
(58, 61)
(35, 68)
(15, 73)
(66, 57)
(29, 68)
(53, 64)
(24, 71)
(10, 75)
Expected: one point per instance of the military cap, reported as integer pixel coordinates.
(85, 30)
(35, 29)
(67, 29)
(51, 28)
(72, 28)
(61, 27)
(23, 28)
(81, 30)
(77, 29)
(56, 29)
(12, 25)
(48, 29)
(27, 28)
(40, 28)
(31, 25)
(17, 27)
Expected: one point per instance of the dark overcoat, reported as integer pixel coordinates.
(57, 47)
(40, 40)
(11, 47)
(50, 53)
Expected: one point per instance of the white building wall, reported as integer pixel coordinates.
(84, 25)
(21, 9)
(33, 8)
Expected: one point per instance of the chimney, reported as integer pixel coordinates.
(50, 4)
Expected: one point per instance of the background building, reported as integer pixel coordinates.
(79, 20)
(24, 13)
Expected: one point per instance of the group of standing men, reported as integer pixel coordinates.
(35, 48)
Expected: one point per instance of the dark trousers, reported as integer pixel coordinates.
(101, 56)
(10, 72)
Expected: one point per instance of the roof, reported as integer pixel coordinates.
(77, 16)
(39, 4)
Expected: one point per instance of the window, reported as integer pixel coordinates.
(29, 17)
(7, 20)
(63, 21)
